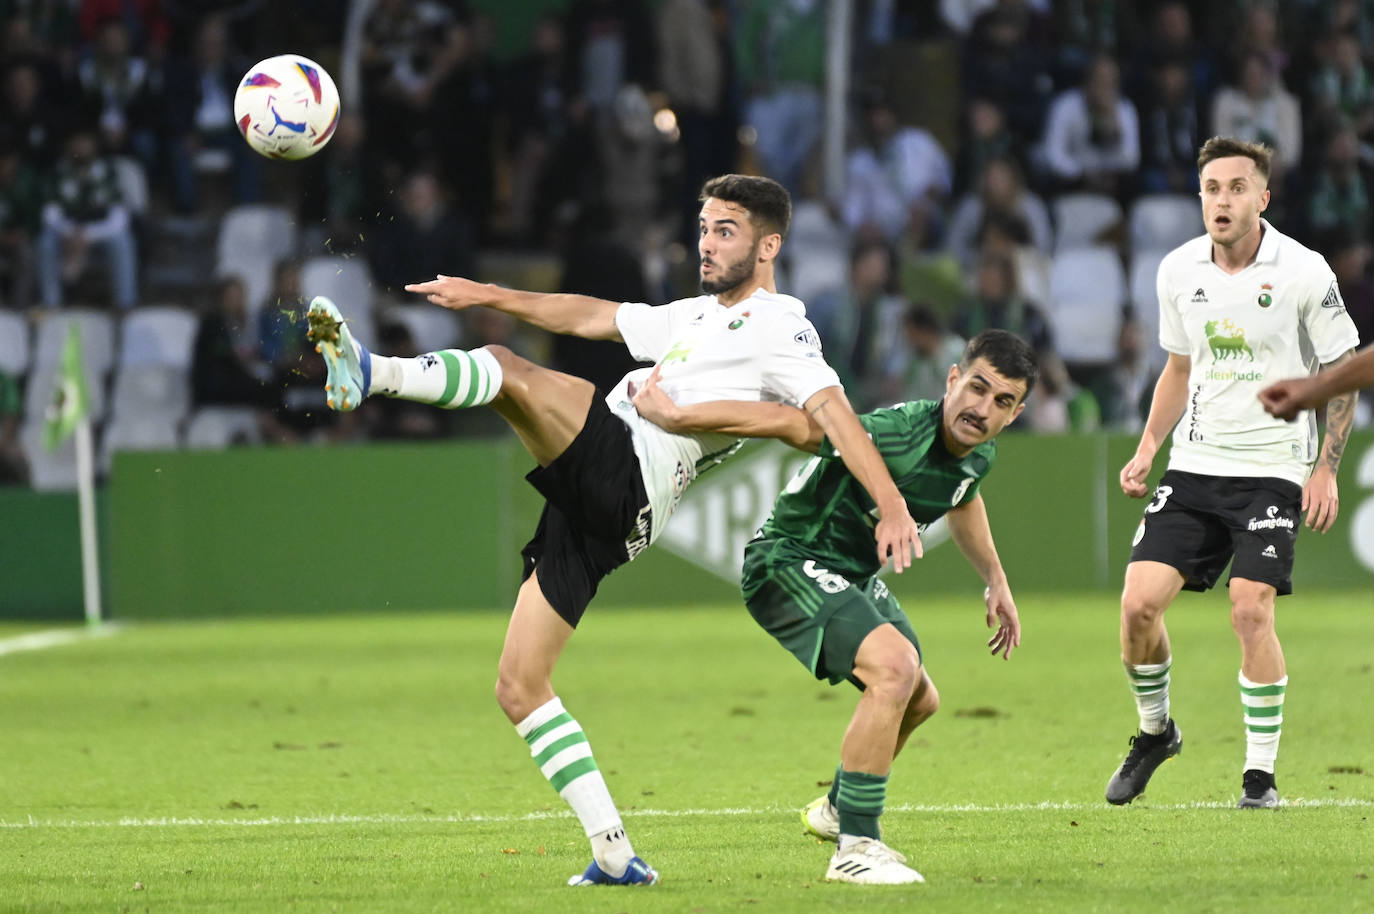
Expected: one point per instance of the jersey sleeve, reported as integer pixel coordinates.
(646, 330)
(1172, 336)
(1323, 314)
(794, 367)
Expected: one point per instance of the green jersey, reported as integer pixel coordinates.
(825, 514)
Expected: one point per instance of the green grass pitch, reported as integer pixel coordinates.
(359, 763)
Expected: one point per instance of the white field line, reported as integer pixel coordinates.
(54, 637)
(343, 819)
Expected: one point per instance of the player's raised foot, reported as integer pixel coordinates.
(637, 873)
(348, 363)
(1258, 790)
(868, 861)
(1148, 752)
(821, 819)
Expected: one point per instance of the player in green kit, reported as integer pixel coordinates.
(810, 574)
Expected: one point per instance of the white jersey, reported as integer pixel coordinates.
(1279, 317)
(761, 349)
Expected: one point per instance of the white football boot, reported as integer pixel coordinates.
(821, 819)
(868, 861)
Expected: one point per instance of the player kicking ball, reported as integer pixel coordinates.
(810, 574)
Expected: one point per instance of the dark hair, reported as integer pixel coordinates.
(921, 316)
(768, 203)
(1225, 147)
(1005, 351)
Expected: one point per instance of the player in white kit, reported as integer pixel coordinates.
(1240, 307)
(610, 478)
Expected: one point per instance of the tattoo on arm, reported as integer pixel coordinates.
(1340, 417)
(820, 406)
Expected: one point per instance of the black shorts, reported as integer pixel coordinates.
(1198, 523)
(596, 513)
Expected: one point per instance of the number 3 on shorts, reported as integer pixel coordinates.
(1162, 494)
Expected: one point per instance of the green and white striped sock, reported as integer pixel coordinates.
(1263, 705)
(561, 751)
(449, 379)
(860, 800)
(1150, 685)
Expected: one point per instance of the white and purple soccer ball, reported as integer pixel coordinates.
(287, 107)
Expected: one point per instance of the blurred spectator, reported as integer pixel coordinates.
(897, 175)
(202, 136)
(21, 205)
(28, 114)
(279, 318)
(1172, 40)
(1350, 257)
(1342, 85)
(985, 137)
(464, 113)
(863, 344)
(1258, 109)
(1004, 60)
(610, 45)
(225, 368)
(960, 16)
(339, 199)
(392, 419)
(1260, 34)
(1338, 199)
(120, 94)
(14, 466)
(535, 104)
(83, 211)
(40, 32)
(1170, 132)
(923, 363)
(696, 72)
(780, 53)
(629, 150)
(1001, 194)
(143, 21)
(426, 237)
(1080, 29)
(1092, 138)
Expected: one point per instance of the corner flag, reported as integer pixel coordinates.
(70, 401)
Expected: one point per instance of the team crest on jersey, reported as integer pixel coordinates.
(1265, 298)
(1200, 296)
(808, 338)
(1333, 299)
(738, 322)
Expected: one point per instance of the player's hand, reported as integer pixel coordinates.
(1002, 612)
(898, 538)
(1134, 474)
(453, 292)
(653, 404)
(1320, 500)
(1284, 399)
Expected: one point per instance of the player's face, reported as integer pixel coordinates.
(1233, 195)
(728, 247)
(979, 403)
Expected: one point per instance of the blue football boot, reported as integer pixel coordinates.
(347, 361)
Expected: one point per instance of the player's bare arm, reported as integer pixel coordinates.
(1285, 399)
(1166, 408)
(896, 532)
(1320, 497)
(743, 419)
(968, 525)
(557, 312)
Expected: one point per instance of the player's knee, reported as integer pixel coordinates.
(514, 697)
(1140, 611)
(1251, 619)
(926, 701)
(895, 672)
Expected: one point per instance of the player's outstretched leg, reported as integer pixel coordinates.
(1148, 751)
(347, 362)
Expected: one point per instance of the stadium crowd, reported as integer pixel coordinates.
(1018, 164)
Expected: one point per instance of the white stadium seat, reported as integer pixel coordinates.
(159, 335)
(1087, 290)
(1082, 219)
(1164, 221)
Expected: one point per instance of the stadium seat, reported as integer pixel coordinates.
(1144, 268)
(97, 345)
(53, 471)
(150, 390)
(218, 427)
(15, 350)
(137, 432)
(1083, 219)
(1164, 221)
(1087, 291)
(133, 185)
(816, 253)
(346, 281)
(430, 326)
(159, 335)
(252, 239)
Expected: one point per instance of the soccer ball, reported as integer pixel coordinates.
(287, 107)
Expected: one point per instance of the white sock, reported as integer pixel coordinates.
(561, 751)
(450, 379)
(1263, 705)
(1150, 685)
